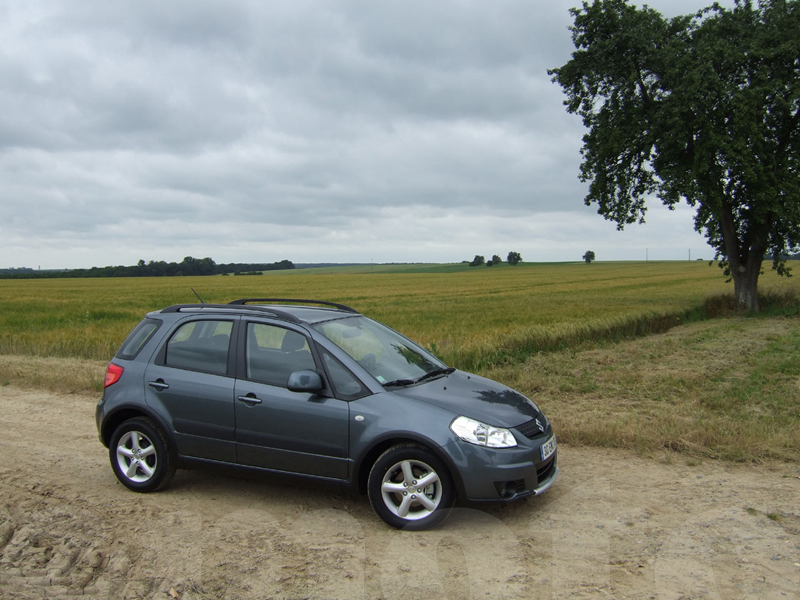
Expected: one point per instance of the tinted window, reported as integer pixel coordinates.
(384, 353)
(345, 384)
(138, 338)
(274, 353)
(200, 346)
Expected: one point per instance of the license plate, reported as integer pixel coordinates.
(548, 448)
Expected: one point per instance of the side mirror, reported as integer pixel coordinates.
(305, 381)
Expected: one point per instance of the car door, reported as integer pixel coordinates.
(280, 429)
(192, 381)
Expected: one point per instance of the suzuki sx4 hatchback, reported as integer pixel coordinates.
(317, 390)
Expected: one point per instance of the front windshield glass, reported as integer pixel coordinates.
(384, 353)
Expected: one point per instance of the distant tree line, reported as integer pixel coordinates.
(783, 256)
(188, 266)
(513, 259)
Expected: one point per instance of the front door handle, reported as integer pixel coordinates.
(250, 399)
(159, 384)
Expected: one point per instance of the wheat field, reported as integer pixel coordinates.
(469, 317)
(575, 337)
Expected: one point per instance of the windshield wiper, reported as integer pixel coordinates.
(428, 375)
(435, 373)
(399, 382)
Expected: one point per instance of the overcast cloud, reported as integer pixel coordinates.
(328, 131)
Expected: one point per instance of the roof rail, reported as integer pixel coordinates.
(280, 314)
(344, 307)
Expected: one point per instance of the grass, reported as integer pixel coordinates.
(726, 388)
(775, 517)
(601, 347)
(473, 318)
(63, 375)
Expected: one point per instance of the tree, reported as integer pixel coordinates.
(496, 260)
(588, 257)
(703, 108)
(514, 258)
(477, 261)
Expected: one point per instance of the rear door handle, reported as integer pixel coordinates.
(250, 399)
(159, 384)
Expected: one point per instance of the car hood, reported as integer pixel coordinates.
(475, 397)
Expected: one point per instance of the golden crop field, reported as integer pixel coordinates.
(719, 388)
(470, 317)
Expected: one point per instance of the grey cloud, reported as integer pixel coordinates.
(190, 124)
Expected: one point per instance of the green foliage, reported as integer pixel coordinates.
(514, 258)
(703, 108)
(588, 257)
(189, 266)
(477, 261)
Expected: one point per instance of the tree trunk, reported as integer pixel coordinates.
(745, 285)
(745, 257)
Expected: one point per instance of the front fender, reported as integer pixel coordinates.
(379, 422)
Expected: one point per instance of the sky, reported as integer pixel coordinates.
(327, 131)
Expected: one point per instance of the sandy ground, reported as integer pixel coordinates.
(615, 525)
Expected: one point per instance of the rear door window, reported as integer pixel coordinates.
(200, 346)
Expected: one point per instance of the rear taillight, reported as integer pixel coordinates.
(113, 373)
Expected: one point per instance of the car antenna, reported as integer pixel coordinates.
(198, 296)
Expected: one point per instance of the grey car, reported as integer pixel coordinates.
(315, 389)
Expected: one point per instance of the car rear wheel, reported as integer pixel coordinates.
(140, 456)
(410, 488)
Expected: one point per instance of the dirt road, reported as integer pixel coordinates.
(614, 526)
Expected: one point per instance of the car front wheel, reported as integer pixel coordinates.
(140, 456)
(410, 488)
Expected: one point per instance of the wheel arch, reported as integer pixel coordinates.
(123, 413)
(368, 458)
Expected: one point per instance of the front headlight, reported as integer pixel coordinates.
(481, 434)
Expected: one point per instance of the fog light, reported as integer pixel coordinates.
(508, 489)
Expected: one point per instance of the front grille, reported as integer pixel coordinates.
(545, 470)
(531, 428)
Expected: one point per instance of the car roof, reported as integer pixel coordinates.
(293, 311)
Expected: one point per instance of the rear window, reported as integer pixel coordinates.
(137, 339)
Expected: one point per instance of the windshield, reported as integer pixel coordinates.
(385, 354)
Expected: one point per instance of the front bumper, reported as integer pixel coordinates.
(544, 485)
(499, 475)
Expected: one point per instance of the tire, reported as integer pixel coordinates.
(141, 456)
(410, 488)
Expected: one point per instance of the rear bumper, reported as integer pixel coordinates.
(98, 419)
